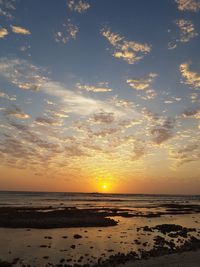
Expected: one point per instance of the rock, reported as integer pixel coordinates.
(77, 236)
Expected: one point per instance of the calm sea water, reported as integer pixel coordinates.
(81, 200)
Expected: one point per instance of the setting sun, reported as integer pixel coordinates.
(104, 186)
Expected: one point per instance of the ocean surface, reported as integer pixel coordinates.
(81, 200)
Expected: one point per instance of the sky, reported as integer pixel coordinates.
(100, 96)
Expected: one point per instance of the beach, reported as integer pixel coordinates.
(96, 230)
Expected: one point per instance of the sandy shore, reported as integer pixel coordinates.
(186, 259)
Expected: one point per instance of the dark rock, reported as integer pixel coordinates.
(77, 236)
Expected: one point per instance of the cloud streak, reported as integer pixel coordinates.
(20, 30)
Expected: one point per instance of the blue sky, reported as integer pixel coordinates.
(102, 90)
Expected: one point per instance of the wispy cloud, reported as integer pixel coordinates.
(186, 154)
(192, 113)
(20, 30)
(142, 83)
(191, 78)
(188, 5)
(79, 6)
(163, 131)
(98, 88)
(6, 8)
(15, 111)
(3, 32)
(29, 77)
(187, 30)
(68, 31)
(22, 74)
(130, 51)
(103, 117)
(74, 102)
(149, 94)
(195, 98)
(6, 96)
(47, 121)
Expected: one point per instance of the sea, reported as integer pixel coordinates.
(92, 200)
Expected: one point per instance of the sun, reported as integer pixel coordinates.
(105, 186)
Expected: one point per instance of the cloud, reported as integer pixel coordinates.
(188, 5)
(186, 154)
(108, 129)
(142, 83)
(6, 7)
(75, 151)
(5, 96)
(68, 31)
(74, 103)
(20, 30)
(3, 32)
(16, 112)
(130, 51)
(47, 121)
(195, 98)
(149, 94)
(172, 45)
(138, 150)
(163, 132)
(29, 77)
(193, 113)
(99, 88)
(26, 133)
(187, 30)
(59, 113)
(172, 100)
(122, 103)
(22, 74)
(15, 150)
(149, 115)
(79, 6)
(104, 117)
(190, 78)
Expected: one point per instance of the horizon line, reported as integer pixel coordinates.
(100, 193)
